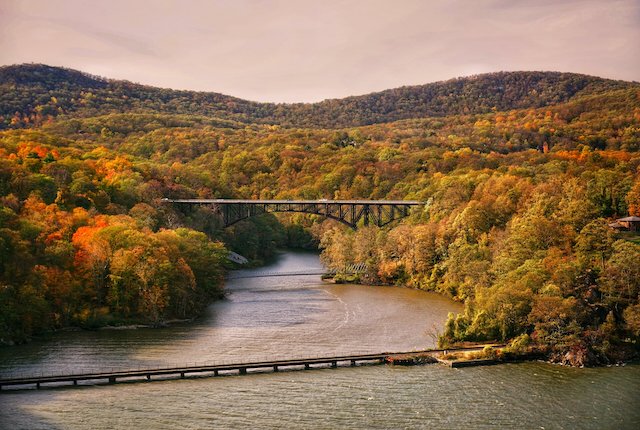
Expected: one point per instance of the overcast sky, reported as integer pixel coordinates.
(310, 50)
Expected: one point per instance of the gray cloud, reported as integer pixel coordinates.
(304, 50)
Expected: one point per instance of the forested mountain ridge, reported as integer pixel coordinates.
(31, 94)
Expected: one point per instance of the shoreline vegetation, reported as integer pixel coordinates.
(521, 175)
(523, 347)
(482, 354)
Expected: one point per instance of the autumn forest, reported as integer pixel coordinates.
(521, 174)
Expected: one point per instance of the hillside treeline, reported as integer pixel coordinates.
(32, 94)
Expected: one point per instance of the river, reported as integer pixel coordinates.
(300, 316)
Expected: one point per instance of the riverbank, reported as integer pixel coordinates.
(105, 324)
(521, 349)
(100, 319)
(595, 350)
(467, 356)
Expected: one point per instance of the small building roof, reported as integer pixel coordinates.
(630, 218)
(616, 225)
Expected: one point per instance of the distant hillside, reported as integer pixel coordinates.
(33, 93)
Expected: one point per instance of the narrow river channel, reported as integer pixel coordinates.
(300, 316)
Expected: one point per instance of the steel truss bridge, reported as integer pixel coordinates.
(349, 212)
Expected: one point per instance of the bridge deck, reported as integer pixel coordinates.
(213, 369)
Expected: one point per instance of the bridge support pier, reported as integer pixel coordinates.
(215, 373)
(182, 375)
(38, 385)
(148, 377)
(112, 379)
(242, 370)
(275, 368)
(353, 363)
(307, 366)
(334, 364)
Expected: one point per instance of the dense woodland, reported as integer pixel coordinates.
(520, 172)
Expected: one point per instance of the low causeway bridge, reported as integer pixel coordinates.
(352, 269)
(204, 370)
(349, 212)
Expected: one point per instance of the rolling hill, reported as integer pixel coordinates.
(33, 93)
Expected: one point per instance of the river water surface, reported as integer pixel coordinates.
(300, 316)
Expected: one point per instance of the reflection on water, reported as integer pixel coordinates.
(301, 316)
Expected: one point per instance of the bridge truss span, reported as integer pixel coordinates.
(349, 212)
